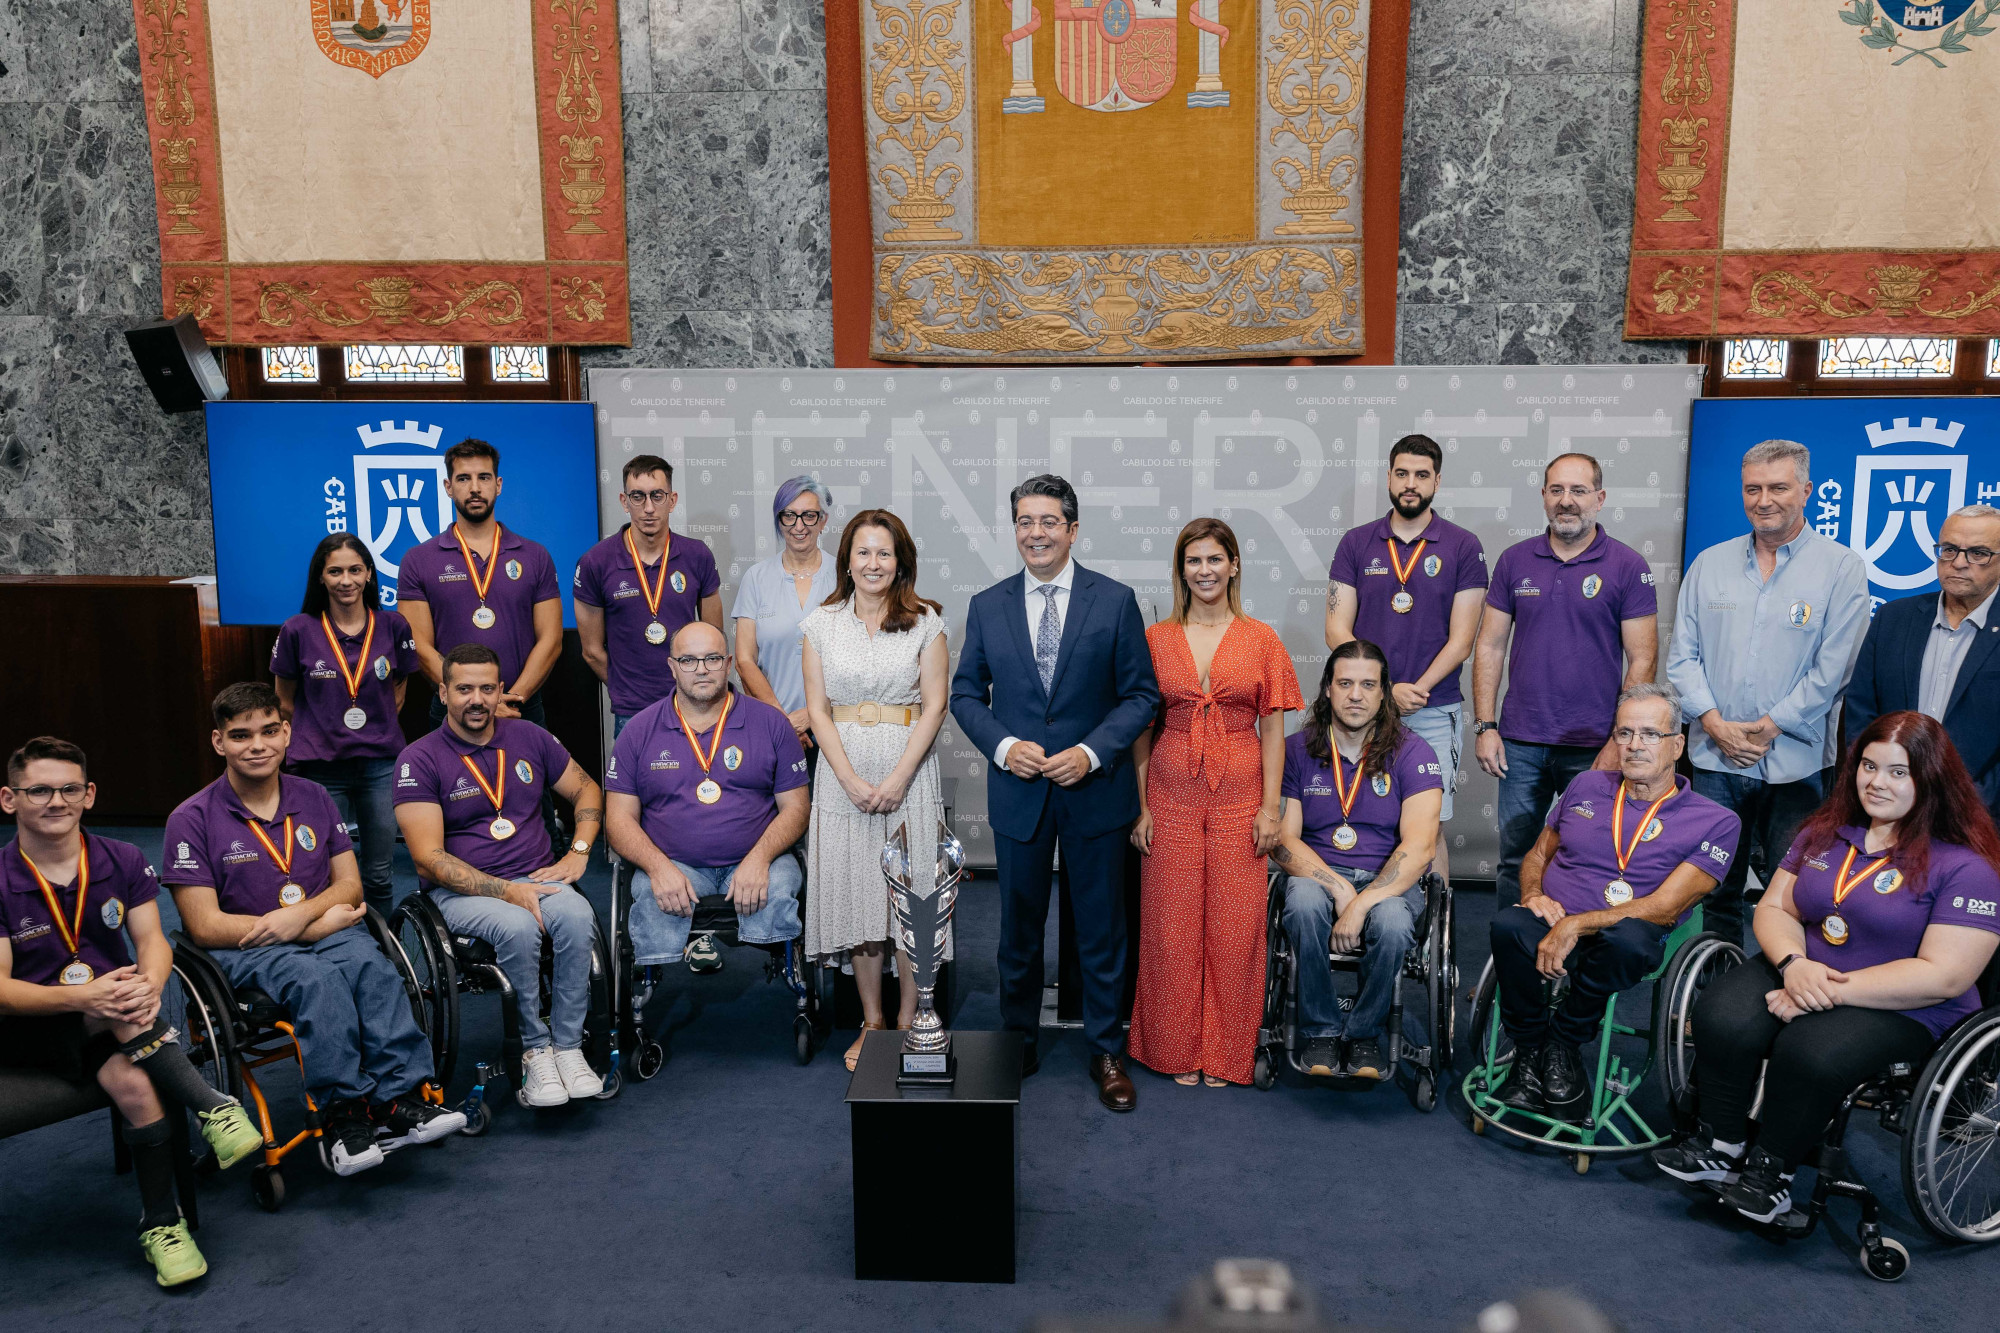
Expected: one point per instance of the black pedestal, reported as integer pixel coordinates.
(945, 1155)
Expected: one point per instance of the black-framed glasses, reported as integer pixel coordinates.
(42, 793)
(712, 662)
(801, 518)
(1974, 555)
(1644, 735)
(648, 499)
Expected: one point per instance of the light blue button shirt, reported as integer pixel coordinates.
(1747, 647)
(768, 596)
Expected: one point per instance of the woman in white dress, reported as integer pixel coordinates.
(876, 676)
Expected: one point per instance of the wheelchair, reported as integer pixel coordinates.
(1613, 1125)
(231, 1033)
(812, 1019)
(1431, 962)
(448, 964)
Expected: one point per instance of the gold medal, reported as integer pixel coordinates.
(1345, 837)
(78, 973)
(656, 633)
(709, 792)
(1620, 891)
(1402, 601)
(1833, 927)
(291, 895)
(483, 617)
(502, 828)
(651, 589)
(356, 717)
(1617, 893)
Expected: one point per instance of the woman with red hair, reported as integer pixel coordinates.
(1874, 932)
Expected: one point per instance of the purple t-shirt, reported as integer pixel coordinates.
(605, 579)
(1378, 811)
(439, 574)
(1568, 655)
(1886, 916)
(1452, 560)
(653, 761)
(301, 654)
(1688, 829)
(120, 879)
(210, 844)
(433, 769)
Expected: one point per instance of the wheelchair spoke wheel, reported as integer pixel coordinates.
(1951, 1146)
(1440, 985)
(429, 959)
(208, 1044)
(1698, 963)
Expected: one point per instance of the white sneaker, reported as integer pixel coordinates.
(541, 1081)
(578, 1078)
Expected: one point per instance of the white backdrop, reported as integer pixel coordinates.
(1291, 458)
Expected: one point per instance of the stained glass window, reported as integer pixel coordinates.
(1754, 358)
(404, 363)
(291, 365)
(1887, 358)
(519, 365)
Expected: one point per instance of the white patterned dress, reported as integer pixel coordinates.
(847, 902)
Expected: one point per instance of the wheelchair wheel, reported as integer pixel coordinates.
(419, 931)
(1885, 1260)
(479, 1121)
(1951, 1145)
(211, 1039)
(614, 1083)
(1423, 1091)
(802, 1039)
(1696, 964)
(649, 1060)
(1440, 985)
(1263, 1071)
(1484, 997)
(268, 1183)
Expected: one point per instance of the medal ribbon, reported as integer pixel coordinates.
(71, 931)
(495, 792)
(479, 585)
(653, 593)
(283, 859)
(1843, 883)
(1403, 571)
(1348, 795)
(1618, 844)
(714, 744)
(353, 678)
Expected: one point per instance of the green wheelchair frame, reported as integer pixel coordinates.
(1692, 958)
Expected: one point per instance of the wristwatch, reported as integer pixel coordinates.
(580, 847)
(1481, 728)
(1789, 960)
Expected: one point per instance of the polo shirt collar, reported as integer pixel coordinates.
(448, 539)
(1383, 531)
(1545, 546)
(290, 799)
(1978, 616)
(734, 722)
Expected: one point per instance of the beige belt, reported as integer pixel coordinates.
(869, 713)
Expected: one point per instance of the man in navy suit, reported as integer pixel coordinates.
(1055, 682)
(1937, 653)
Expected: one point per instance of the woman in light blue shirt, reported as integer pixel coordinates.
(776, 594)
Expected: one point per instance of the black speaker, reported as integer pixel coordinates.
(177, 363)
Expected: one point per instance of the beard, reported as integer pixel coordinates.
(1411, 510)
(473, 510)
(1568, 526)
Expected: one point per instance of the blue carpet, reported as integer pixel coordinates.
(717, 1196)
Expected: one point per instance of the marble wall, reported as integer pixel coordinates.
(1516, 205)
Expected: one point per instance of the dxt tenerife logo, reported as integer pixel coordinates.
(398, 500)
(1898, 502)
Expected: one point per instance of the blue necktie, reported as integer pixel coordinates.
(1048, 638)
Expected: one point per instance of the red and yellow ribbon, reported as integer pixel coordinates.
(284, 858)
(353, 678)
(496, 792)
(1618, 844)
(705, 760)
(71, 931)
(479, 585)
(653, 592)
(1403, 571)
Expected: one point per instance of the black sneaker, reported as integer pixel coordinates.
(1322, 1057)
(1565, 1090)
(1522, 1088)
(1763, 1193)
(353, 1136)
(1364, 1059)
(409, 1120)
(1696, 1160)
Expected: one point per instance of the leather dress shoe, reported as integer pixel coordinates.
(1031, 1059)
(1114, 1085)
(1522, 1088)
(1565, 1089)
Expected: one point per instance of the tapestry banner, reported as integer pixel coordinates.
(1121, 180)
(388, 170)
(1812, 168)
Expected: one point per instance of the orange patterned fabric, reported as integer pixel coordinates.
(1202, 889)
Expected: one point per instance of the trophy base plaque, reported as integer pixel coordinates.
(927, 1069)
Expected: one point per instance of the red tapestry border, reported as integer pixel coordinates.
(1807, 294)
(180, 119)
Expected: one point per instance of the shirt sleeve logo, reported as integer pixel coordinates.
(181, 850)
(1592, 586)
(308, 840)
(514, 569)
(1800, 614)
(112, 914)
(524, 770)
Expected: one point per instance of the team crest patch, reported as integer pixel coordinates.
(381, 668)
(732, 759)
(373, 36)
(514, 569)
(307, 838)
(1800, 614)
(1380, 784)
(1592, 586)
(1888, 881)
(680, 581)
(1653, 829)
(112, 914)
(524, 770)
(1930, 29)
(1433, 566)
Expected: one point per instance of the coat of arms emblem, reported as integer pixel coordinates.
(373, 36)
(1930, 29)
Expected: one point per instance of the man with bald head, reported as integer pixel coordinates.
(707, 793)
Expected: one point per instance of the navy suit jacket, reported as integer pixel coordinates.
(1886, 679)
(1104, 694)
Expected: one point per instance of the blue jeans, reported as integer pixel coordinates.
(357, 1036)
(1386, 936)
(1771, 813)
(1536, 775)
(1443, 727)
(658, 936)
(361, 790)
(619, 721)
(517, 944)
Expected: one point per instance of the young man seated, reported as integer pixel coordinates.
(707, 792)
(468, 797)
(265, 879)
(73, 1000)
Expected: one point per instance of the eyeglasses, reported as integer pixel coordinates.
(797, 518)
(1046, 523)
(71, 792)
(1644, 735)
(647, 499)
(712, 662)
(1976, 555)
(1571, 492)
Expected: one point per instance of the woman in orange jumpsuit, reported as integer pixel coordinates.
(1209, 774)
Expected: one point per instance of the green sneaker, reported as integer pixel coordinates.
(229, 1131)
(172, 1253)
(702, 955)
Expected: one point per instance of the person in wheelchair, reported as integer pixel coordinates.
(1362, 794)
(467, 798)
(1622, 859)
(265, 879)
(707, 791)
(1874, 932)
(77, 1002)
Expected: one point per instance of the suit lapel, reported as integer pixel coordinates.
(1913, 654)
(1975, 658)
(1017, 625)
(1080, 594)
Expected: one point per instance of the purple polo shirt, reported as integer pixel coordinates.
(1691, 829)
(301, 654)
(1378, 811)
(1568, 655)
(209, 844)
(1452, 561)
(605, 579)
(431, 770)
(1887, 915)
(438, 573)
(760, 757)
(120, 880)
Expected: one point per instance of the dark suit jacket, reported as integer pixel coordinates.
(1103, 696)
(1886, 679)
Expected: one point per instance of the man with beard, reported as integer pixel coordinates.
(1412, 583)
(1581, 612)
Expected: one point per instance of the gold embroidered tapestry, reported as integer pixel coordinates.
(388, 170)
(1131, 180)
(1814, 168)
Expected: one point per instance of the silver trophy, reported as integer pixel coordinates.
(923, 899)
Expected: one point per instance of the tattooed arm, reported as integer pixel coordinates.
(1294, 857)
(1341, 604)
(587, 797)
(422, 823)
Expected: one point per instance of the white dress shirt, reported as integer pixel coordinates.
(1064, 580)
(1944, 653)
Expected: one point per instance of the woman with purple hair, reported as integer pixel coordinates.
(777, 593)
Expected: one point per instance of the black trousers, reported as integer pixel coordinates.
(1599, 967)
(1815, 1060)
(1096, 867)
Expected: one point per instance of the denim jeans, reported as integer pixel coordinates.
(1771, 813)
(361, 790)
(517, 945)
(1443, 727)
(1386, 936)
(1536, 775)
(531, 711)
(658, 936)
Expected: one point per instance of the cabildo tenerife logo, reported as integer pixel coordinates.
(397, 500)
(1912, 475)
